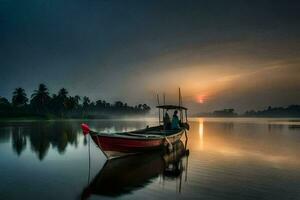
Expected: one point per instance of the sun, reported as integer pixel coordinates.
(200, 99)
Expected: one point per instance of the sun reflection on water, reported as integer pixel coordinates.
(201, 133)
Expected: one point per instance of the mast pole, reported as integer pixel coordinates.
(158, 109)
(179, 97)
(180, 104)
(164, 99)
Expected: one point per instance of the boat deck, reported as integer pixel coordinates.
(156, 130)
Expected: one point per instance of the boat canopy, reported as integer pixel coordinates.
(171, 107)
(165, 107)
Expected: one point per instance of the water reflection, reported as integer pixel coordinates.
(4, 135)
(265, 142)
(294, 126)
(201, 133)
(18, 140)
(229, 159)
(125, 175)
(42, 135)
(226, 137)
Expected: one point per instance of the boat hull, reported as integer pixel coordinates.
(114, 146)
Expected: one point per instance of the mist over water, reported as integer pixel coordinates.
(236, 158)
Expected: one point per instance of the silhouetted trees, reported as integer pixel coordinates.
(62, 105)
(86, 102)
(4, 104)
(19, 97)
(40, 99)
(225, 113)
(290, 111)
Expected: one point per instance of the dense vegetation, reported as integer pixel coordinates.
(289, 111)
(62, 105)
(225, 113)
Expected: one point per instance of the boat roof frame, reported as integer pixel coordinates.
(171, 107)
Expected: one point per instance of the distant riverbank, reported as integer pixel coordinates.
(291, 111)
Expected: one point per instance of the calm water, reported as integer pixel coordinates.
(228, 159)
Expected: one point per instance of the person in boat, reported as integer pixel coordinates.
(167, 121)
(175, 121)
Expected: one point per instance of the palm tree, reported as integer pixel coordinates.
(119, 104)
(62, 100)
(77, 99)
(40, 98)
(72, 102)
(19, 97)
(59, 102)
(99, 104)
(85, 105)
(86, 101)
(63, 93)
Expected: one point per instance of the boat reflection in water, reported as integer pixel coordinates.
(124, 175)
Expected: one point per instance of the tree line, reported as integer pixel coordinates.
(63, 105)
(289, 111)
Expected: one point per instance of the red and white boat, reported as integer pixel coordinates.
(151, 138)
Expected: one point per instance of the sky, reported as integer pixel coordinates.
(222, 54)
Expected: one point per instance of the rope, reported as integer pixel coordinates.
(89, 159)
(170, 146)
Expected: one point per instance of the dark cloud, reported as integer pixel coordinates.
(104, 49)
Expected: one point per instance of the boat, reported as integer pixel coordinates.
(127, 174)
(151, 138)
(132, 142)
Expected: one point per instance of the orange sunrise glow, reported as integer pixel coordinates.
(201, 99)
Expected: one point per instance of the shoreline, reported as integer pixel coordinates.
(139, 118)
